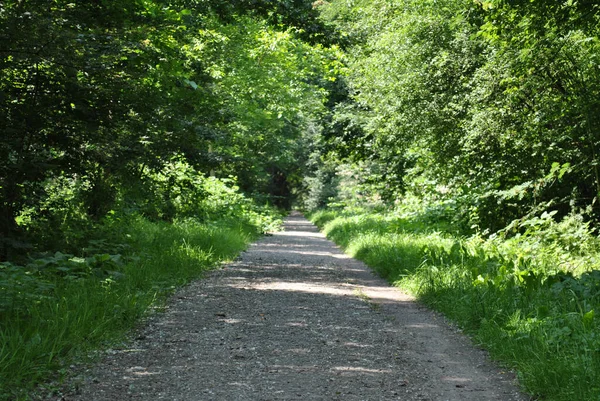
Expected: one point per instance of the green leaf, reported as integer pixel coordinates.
(588, 318)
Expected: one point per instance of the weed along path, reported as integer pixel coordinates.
(295, 318)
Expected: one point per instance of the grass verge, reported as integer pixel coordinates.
(532, 300)
(61, 307)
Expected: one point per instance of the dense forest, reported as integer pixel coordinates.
(492, 105)
(120, 106)
(142, 143)
(462, 165)
(131, 129)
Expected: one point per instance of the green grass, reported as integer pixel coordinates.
(530, 300)
(60, 307)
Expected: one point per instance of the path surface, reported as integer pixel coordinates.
(295, 318)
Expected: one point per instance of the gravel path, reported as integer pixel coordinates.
(295, 318)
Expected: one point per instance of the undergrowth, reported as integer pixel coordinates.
(530, 295)
(58, 307)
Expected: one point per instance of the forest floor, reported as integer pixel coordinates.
(294, 318)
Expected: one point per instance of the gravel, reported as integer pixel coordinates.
(294, 318)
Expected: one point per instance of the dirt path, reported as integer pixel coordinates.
(294, 318)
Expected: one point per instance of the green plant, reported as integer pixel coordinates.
(531, 299)
(59, 306)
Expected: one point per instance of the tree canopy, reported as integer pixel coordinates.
(98, 97)
(491, 106)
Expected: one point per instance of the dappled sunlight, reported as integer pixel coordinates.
(386, 294)
(279, 267)
(299, 351)
(306, 314)
(299, 234)
(422, 326)
(309, 253)
(305, 287)
(240, 384)
(371, 293)
(293, 368)
(139, 371)
(359, 370)
(296, 324)
(315, 245)
(232, 321)
(456, 380)
(357, 345)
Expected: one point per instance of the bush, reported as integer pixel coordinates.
(531, 298)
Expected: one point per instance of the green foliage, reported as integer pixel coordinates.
(321, 188)
(100, 102)
(531, 298)
(61, 306)
(480, 116)
(142, 142)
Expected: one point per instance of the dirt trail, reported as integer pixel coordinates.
(295, 318)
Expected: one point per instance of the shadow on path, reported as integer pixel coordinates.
(295, 318)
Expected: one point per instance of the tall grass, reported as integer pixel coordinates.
(532, 299)
(62, 306)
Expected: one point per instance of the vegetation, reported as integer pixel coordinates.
(99, 100)
(460, 162)
(530, 300)
(144, 141)
(59, 306)
(499, 113)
